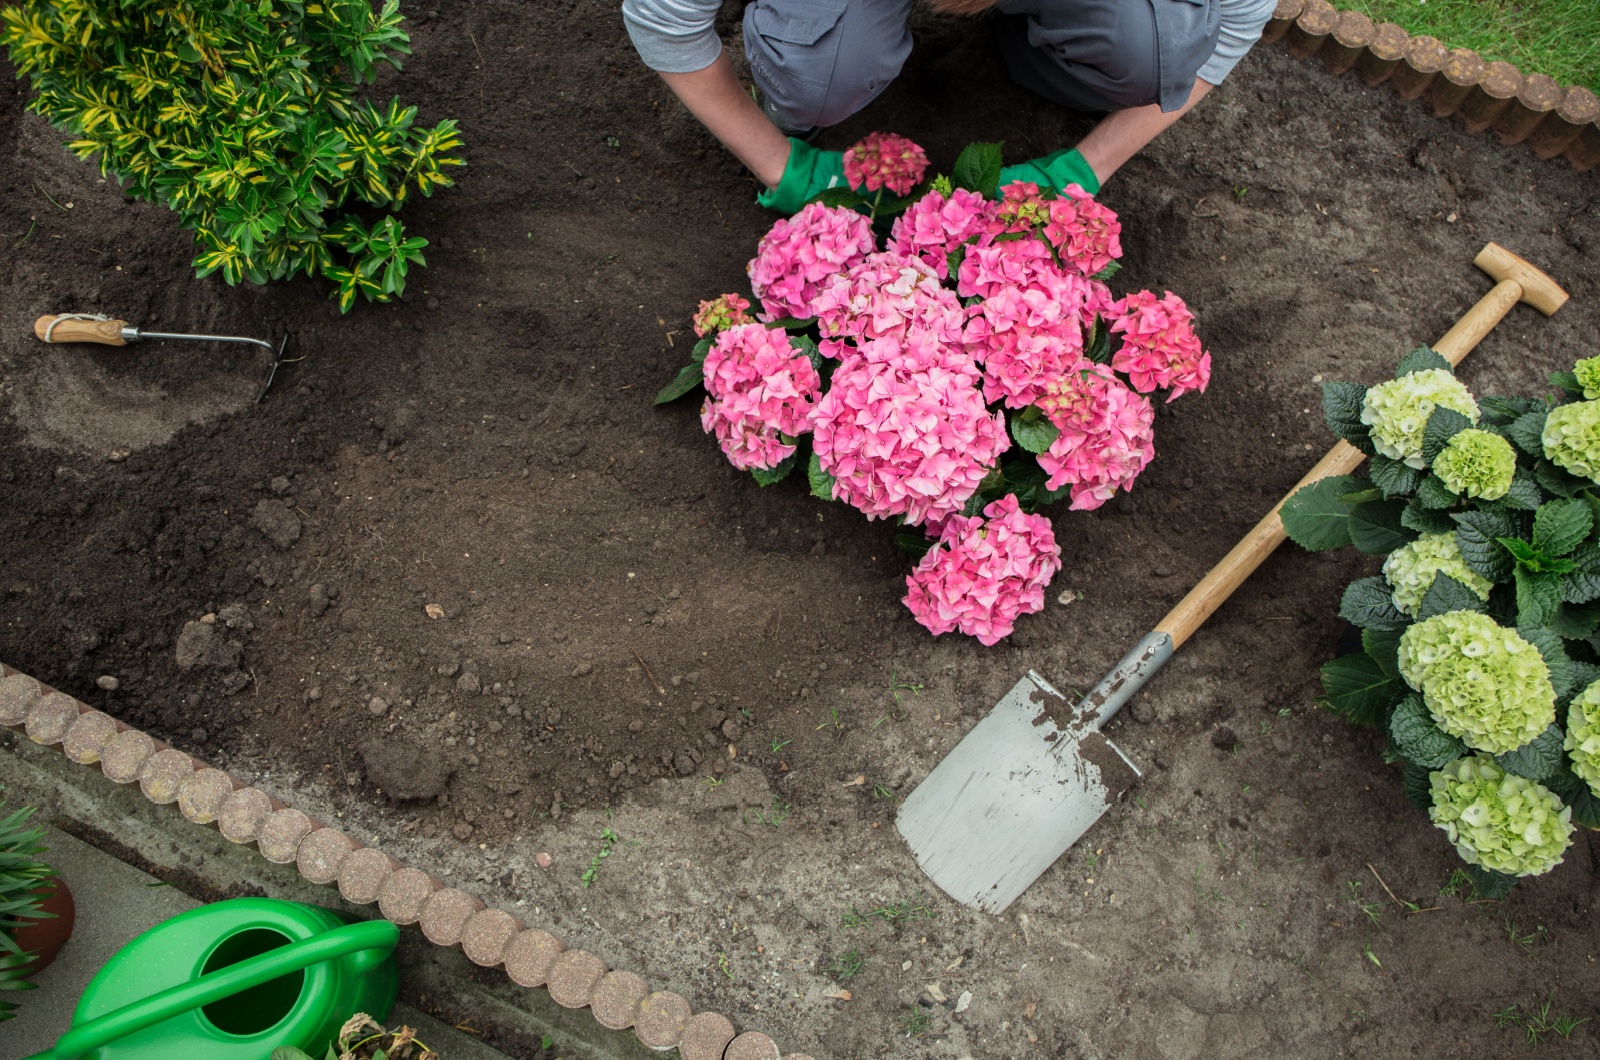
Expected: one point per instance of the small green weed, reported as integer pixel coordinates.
(608, 839)
(1373, 910)
(773, 817)
(906, 909)
(778, 745)
(846, 965)
(1537, 1025)
(915, 1022)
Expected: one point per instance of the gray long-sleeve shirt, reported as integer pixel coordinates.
(679, 36)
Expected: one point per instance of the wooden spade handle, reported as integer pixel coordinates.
(105, 332)
(1193, 610)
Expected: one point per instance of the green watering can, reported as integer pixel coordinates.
(234, 980)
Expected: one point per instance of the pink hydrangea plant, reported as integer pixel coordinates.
(1025, 337)
(1160, 350)
(1022, 207)
(1105, 438)
(988, 268)
(984, 572)
(903, 430)
(798, 253)
(884, 296)
(933, 226)
(884, 160)
(760, 391)
(1087, 234)
(720, 313)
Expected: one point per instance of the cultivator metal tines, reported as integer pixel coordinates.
(96, 327)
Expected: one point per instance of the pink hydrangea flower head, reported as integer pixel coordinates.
(884, 160)
(798, 253)
(760, 391)
(1022, 207)
(933, 226)
(985, 573)
(1026, 337)
(885, 296)
(1160, 349)
(987, 268)
(1106, 434)
(720, 313)
(1087, 234)
(903, 434)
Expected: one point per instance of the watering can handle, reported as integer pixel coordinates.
(378, 935)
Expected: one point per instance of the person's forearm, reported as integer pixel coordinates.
(1124, 133)
(715, 96)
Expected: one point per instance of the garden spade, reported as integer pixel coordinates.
(86, 327)
(1037, 772)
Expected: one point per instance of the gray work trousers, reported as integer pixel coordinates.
(817, 62)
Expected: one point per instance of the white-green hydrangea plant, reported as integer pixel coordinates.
(1481, 681)
(1397, 412)
(1583, 735)
(1587, 372)
(1410, 570)
(1502, 822)
(1571, 438)
(1477, 464)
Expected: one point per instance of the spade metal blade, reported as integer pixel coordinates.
(1012, 796)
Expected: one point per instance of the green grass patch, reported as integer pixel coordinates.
(1558, 38)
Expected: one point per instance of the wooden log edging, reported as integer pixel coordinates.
(1553, 120)
(363, 875)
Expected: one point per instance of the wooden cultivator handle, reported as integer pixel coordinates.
(67, 327)
(1518, 282)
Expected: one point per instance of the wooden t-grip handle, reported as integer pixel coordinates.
(105, 332)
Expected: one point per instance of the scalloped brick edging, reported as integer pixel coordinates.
(449, 917)
(1554, 121)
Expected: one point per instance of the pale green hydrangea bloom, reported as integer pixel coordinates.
(1398, 411)
(1499, 821)
(1583, 734)
(1410, 570)
(1588, 373)
(1478, 464)
(1481, 681)
(1572, 438)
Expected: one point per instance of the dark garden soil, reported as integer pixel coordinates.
(618, 607)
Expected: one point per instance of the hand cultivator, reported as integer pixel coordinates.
(1035, 774)
(83, 327)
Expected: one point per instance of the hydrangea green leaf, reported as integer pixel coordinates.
(1563, 678)
(1569, 382)
(821, 482)
(1375, 527)
(1576, 621)
(1414, 782)
(688, 377)
(1443, 425)
(1537, 597)
(1523, 496)
(1341, 411)
(1557, 480)
(1447, 594)
(804, 344)
(914, 544)
(1478, 536)
(1382, 645)
(1527, 432)
(1490, 884)
(786, 323)
(837, 197)
(1356, 687)
(701, 350)
(977, 168)
(1369, 604)
(1032, 430)
(1425, 520)
(1421, 359)
(1418, 737)
(1315, 518)
(1503, 411)
(770, 477)
(1394, 477)
(1098, 348)
(1433, 493)
(1538, 759)
(1559, 526)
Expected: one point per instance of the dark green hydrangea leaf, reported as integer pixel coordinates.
(1384, 647)
(775, 475)
(786, 323)
(1341, 410)
(1576, 621)
(1443, 425)
(689, 377)
(1569, 382)
(1538, 759)
(1433, 493)
(1375, 527)
(1418, 738)
(821, 481)
(1447, 594)
(1033, 430)
(1523, 496)
(1361, 496)
(1315, 518)
(1478, 537)
(1369, 604)
(1583, 583)
(1503, 411)
(804, 344)
(977, 169)
(1418, 786)
(1527, 432)
(1098, 349)
(1356, 687)
(1394, 477)
(915, 545)
(1559, 526)
(836, 197)
(701, 349)
(1537, 598)
(1584, 674)
(1489, 883)
(1421, 359)
(1557, 480)
(1576, 793)
(1425, 520)
(1554, 653)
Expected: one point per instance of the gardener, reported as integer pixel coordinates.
(816, 62)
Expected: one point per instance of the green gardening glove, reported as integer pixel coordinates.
(807, 172)
(1055, 171)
